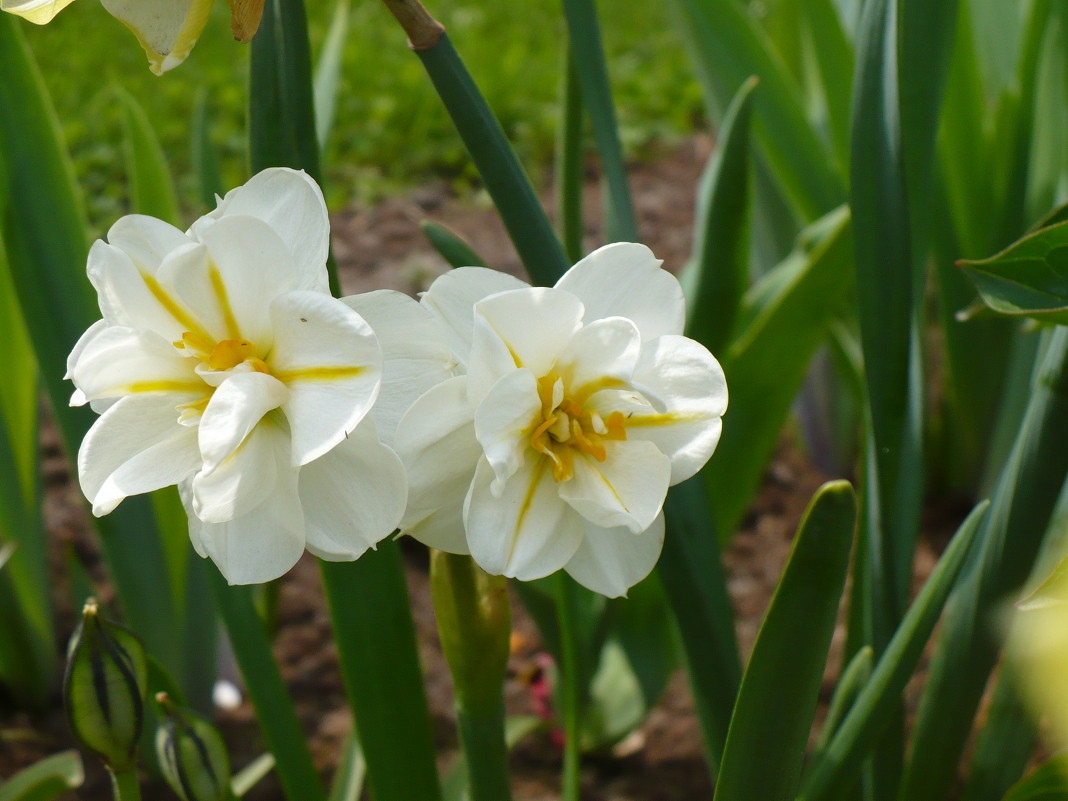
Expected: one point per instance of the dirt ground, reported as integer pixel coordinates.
(383, 247)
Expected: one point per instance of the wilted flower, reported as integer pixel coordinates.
(578, 407)
(166, 29)
(224, 366)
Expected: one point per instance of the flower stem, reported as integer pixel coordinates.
(125, 785)
(570, 696)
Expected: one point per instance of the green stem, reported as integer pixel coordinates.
(278, 721)
(482, 738)
(570, 690)
(569, 163)
(125, 785)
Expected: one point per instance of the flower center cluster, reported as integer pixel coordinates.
(567, 426)
(224, 355)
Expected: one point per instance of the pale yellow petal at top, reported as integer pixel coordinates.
(166, 29)
(37, 11)
(245, 18)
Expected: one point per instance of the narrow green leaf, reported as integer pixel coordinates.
(203, 156)
(150, 184)
(834, 60)
(584, 35)
(452, 247)
(570, 168)
(1029, 278)
(351, 771)
(775, 707)
(783, 319)
(834, 768)
(327, 79)
(46, 779)
(851, 681)
(1006, 743)
(1048, 782)
(718, 272)
(251, 775)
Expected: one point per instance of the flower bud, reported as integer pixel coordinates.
(191, 754)
(104, 688)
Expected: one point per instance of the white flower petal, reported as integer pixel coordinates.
(292, 205)
(523, 328)
(121, 361)
(353, 497)
(253, 266)
(525, 533)
(90, 334)
(505, 420)
(146, 240)
(258, 546)
(415, 352)
(166, 29)
(627, 489)
(436, 441)
(136, 446)
(36, 11)
(600, 355)
(612, 560)
(689, 382)
(258, 468)
(328, 357)
(235, 408)
(625, 279)
(452, 298)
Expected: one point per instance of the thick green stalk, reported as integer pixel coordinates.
(569, 163)
(278, 721)
(570, 688)
(380, 669)
(125, 785)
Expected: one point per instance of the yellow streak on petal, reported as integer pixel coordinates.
(161, 386)
(667, 419)
(317, 373)
(219, 288)
(174, 308)
(528, 501)
(583, 393)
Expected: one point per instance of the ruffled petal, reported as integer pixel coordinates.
(146, 240)
(136, 446)
(452, 298)
(525, 533)
(234, 410)
(415, 353)
(353, 497)
(437, 444)
(258, 546)
(612, 560)
(120, 361)
(691, 391)
(625, 279)
(328, 357)
(36, 11)
(166, 29)
(523, 328)
(600, 355)
(504, 422)
(627, 489)
(258, 468)
(292, 205)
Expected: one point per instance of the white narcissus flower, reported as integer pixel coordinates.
(576, 408)
(166, 29)
(224, 366)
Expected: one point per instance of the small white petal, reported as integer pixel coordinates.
(505, 420)
(292, 205)
(166, 29)
(436, 441)
(688, 381)
(136, 446)
(258, 468)
(258, 546)
(452, 298)
(612, 560)
(600, 355)
(415, 352)
(525, 533)
(625, 280)
(353, 497)
(146, 240)
(328, 357)
(90, 334)
(627, 489)
(121, 361)
(235, 408)
(523, 328)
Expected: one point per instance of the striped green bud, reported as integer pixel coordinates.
(191, 754)
(104, 688)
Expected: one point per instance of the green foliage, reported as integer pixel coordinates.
(46, 779)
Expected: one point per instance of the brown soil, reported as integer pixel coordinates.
(383, 247)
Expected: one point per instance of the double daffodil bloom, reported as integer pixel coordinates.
(575, 409)
(224, 366)
(166, 29)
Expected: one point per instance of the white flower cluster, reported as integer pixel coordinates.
(534, 428)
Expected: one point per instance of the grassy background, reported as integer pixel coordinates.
(390, 131)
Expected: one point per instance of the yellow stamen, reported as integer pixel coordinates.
(231, 352)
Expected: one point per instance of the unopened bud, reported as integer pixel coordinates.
(191, 754)
(104, 688)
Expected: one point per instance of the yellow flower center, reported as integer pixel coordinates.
(224, 355)
(566, 426)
